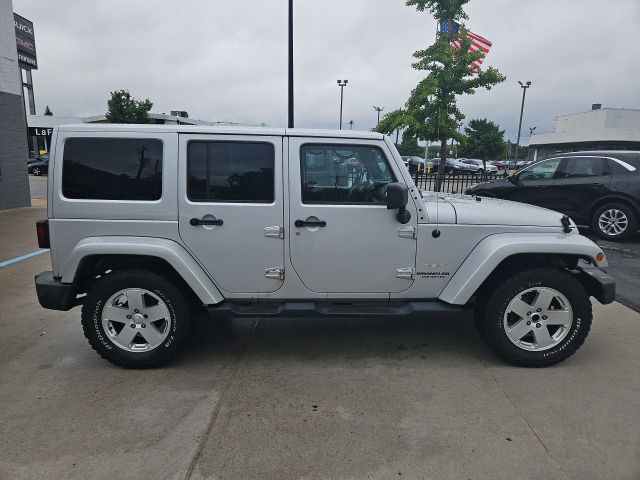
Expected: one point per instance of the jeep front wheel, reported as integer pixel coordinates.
(136, 319)
(536, 318)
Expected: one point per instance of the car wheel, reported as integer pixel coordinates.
(480, 171)
(615, 222)
(136, 319)
(536, 318)
(36, 171)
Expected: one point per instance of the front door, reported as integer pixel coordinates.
(343, 239)
(231, 209)
(533, 182)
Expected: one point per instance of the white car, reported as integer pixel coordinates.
(476, 166)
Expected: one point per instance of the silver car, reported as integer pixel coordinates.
(476, 166)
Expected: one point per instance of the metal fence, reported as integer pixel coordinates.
(450, 183)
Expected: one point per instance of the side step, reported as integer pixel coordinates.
(311, 309)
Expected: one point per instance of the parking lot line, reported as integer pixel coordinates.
(23, 257)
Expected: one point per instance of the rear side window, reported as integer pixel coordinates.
(231, 172)
(112, 169)
(577, 167)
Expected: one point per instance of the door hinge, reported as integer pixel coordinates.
(274, 232)
(407, 273)
(276, 273)
(408, 232)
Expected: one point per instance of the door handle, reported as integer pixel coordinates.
(201, 221)
(305, 223)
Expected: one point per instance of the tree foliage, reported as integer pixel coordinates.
(485, 140)
(123, 108)
(431, 112)
(47, 111)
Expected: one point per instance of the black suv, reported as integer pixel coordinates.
(600, 189)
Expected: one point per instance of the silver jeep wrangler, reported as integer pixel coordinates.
(148, 225)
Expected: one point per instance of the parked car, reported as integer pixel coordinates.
(228, 221)
(39, 158)
(452, 166)
(417, 164)
(499, 164)
(39, 167)
(599, 189)
(476, 166)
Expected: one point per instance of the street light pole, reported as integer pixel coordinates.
(351, 124)
(524, 92)
(342, 85)
(290, 123)
(531, 131)
(378, 109)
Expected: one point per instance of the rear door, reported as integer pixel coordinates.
(343, 238)
(231, 208)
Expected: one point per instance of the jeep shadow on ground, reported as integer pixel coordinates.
(434, 340)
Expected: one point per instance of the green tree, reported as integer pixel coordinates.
(431, 112)
(485, 140)
(123, 108)
(47, 111)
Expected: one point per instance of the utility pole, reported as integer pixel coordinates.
(524, 92)
(342, 85)
(290, 64)
(378, 109)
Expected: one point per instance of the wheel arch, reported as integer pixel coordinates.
(96, 255)
(613, 199)
(497, 253)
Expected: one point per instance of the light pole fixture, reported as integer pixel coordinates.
(378, 109)
(342, 84)
(531, 131)
(351, 124)
(290, 121)
(524, 92)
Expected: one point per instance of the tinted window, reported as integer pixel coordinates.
(344, 174)
(577, 167)
(616, 168)
(112, 169)
(230, 172)
(540, 171)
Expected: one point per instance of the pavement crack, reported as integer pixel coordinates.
(222, 396)
(504, 392)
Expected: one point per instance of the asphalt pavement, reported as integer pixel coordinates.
(307, 398)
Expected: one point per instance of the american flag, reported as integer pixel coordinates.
(478, 43)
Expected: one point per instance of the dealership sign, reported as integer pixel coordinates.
(40, 132)
(25, 43)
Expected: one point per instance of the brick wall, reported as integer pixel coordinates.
(14, 181)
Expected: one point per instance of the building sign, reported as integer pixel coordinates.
(25, 43)
(40, 131)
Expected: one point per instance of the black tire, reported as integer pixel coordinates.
(615, 222)
(543, 341)
(480, 171)
(155, 342)
(36, 171)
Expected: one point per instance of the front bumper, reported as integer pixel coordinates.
(53, 294)
(597, 283)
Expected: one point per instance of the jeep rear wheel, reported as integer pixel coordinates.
(136, 319)
(536, 318)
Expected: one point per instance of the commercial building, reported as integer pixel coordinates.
(597, 129)
(14, 183)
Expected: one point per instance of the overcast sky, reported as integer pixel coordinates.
(226, 60)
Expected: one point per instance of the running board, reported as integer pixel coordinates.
(341, 309)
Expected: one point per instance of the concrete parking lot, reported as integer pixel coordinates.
(300, 398)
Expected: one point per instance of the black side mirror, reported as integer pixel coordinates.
(398, 197)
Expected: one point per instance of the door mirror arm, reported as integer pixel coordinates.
(398, 197)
